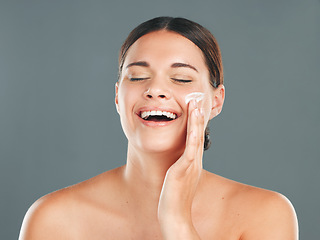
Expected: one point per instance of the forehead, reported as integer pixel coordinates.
(162, 48)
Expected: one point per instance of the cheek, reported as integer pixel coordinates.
(124, 99)
(125, 106)
(207, 110)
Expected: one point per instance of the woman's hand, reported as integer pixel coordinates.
(181, 181)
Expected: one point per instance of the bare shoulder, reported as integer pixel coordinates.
(264, 214)
(272, 216)
(58, 215)
(44, 219)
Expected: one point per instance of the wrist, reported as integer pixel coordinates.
(178, 228)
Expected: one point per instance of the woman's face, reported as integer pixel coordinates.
(160, 69)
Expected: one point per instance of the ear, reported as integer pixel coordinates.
(116, 97)
(217, 101)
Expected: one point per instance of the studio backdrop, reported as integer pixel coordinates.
(59, 125)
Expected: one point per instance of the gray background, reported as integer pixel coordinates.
(59, 126)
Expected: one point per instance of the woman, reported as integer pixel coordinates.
(170, 85)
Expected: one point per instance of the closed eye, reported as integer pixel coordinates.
(137, 79)
(181, 80)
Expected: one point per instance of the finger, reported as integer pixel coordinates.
(201, 136)
(193, 137)
(200, 129)
(191, 106)
(193, 141)
(201, 121)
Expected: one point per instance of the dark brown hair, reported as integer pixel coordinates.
(193, 31)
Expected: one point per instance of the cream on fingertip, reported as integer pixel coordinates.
(198, 96)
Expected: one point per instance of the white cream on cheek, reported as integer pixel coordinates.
(198, 96)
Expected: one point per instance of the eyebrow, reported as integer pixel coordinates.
(178, 65)
(140, 63)
(174, 65)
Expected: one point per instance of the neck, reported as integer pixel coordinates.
(144, 173)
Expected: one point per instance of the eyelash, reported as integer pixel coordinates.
(175, 79)
(181, 80)
(137, 79)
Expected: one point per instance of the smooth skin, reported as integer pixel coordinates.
(162, 192)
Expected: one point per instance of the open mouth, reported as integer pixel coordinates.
(158, 116)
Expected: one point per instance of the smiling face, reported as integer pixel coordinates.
(160, 69)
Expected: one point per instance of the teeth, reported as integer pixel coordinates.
(146, 114)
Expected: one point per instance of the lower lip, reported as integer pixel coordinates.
(156, 124)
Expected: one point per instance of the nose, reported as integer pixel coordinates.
(157, 92)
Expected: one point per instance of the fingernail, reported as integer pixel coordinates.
(201, 112)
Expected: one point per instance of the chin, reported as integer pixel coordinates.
(163, 147)
(162, 144)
